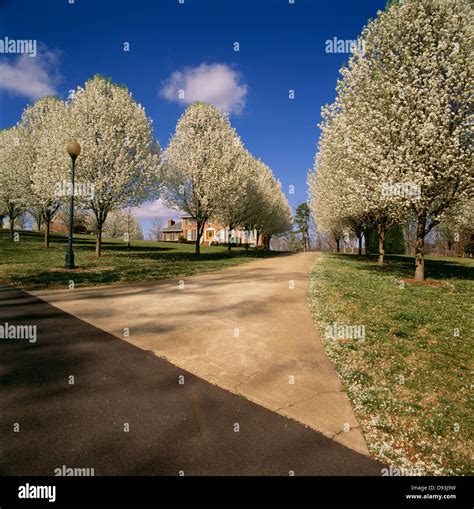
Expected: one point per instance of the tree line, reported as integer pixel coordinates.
(205, 171)
(396, 144)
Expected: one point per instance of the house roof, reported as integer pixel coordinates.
(173, 228)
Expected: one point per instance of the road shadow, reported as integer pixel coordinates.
(126, 412)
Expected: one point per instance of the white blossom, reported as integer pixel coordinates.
(119, 154)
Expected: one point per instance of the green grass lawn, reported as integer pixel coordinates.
(27, 264)
(409, 380)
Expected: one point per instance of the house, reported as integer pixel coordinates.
(213, 233)
(173, 231)
(58, 226)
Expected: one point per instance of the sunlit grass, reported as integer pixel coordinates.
(409, 381)
(29, 265)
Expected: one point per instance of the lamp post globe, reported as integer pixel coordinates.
(73, 149)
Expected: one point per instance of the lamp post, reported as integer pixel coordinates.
(73, 149)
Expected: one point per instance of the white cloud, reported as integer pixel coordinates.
(217, 84)
(155, 210)
(31, 77)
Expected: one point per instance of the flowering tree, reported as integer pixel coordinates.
(422, 51)
(322, 205)
(260, 188)
(15, 165)
(280, 219)
(122, 224)
(119, 156)
(457, 226)
(202, 165)
(235, 205)
(335, 200)
(155, 230)
(401, 123)
(355, 158)
(46, 123)
(270, 213)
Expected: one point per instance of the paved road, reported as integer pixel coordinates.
(172, 427)
(247, 329)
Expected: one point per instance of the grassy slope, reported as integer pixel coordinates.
(409, 381)
(27, 264)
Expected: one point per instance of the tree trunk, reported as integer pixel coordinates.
(420, 247)
(98, 243)
(229, 243)
(46, 233)
(366, 239)
(257, 239)
(12, 220)
(267, 242)
(338, 245)
(39, 219)
(359, 240)
(381, 232)
(198, 237)
(460, 247)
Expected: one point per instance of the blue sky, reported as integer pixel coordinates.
(282, 47)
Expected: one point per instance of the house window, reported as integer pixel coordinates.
(210, 234)
(189, 235)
